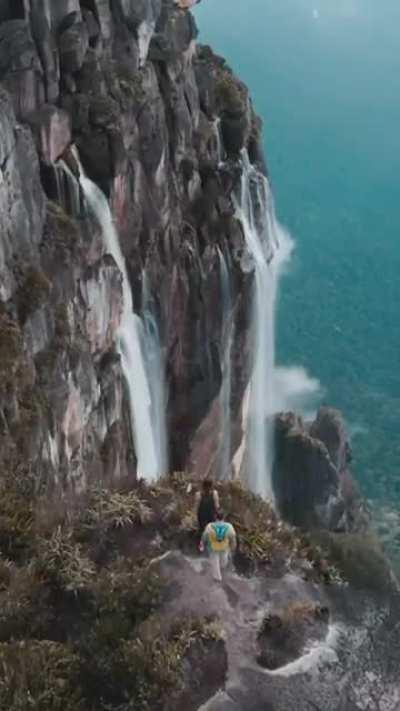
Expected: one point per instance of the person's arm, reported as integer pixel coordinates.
(232, 539)
(216, 499)
(204, 539)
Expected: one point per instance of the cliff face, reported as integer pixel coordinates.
(152, 114)
(118, 90)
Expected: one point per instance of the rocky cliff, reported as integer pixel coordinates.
(104, 603)
(152, 114)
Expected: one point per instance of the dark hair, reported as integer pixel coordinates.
(207, 485)
(219, 515)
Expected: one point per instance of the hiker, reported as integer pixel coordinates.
(207, 505)
(220, 539)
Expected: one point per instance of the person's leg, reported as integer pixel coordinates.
(224, 559)
(215, 566)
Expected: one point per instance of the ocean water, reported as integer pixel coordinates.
(325, 77)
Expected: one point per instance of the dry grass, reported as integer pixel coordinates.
(38, 675)
(97, 618)
(63, 563)
(76, 633)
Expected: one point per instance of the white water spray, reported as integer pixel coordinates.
(269, 246)
(147, 422)
(224, 464)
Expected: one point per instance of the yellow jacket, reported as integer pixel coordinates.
(219, 537)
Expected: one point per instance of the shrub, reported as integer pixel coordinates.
(16, 520)
(129, 82)
(38, 675)
(34, 291)
(109, 510)
(128, 591)
(63, 227)
(140, 673)
(358, 559)
(11, 351)
(61, 561)
(231, 94)
(25, 611)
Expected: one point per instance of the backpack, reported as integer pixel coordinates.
(221, 530)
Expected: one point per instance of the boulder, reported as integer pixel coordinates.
(20, 67)
(305, 478)
(174, 32)
(312, 482)
(329, 428)
(73, 44)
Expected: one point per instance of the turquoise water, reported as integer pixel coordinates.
(325, 77)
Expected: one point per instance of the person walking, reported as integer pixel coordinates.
(220, 540)
(206, 504)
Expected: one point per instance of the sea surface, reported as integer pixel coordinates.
(325, 78)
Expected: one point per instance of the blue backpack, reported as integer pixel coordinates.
(221, 530)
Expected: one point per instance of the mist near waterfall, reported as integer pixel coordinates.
(296, 390)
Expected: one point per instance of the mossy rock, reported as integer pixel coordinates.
(62, 227)
(125, 85)
(11, 350)
(34, 291)
(231, 95)
(103, 112)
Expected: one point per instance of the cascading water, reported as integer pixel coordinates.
(224, 464)
(155, 367)
(68, 193)
(218, 140)
(269, 246)
(148, 423)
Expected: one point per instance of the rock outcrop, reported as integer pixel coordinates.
(150, 112)
(313, 484)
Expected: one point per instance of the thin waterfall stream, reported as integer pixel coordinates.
(270, 247)
(224, 465)
(137, 342)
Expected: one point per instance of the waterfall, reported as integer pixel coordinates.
(218, 140)
(144, 33)
(269, 246)
(155, 366)
(68, 193)
(148, 424)
(224, 464)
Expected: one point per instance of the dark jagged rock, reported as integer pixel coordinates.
(313, 485)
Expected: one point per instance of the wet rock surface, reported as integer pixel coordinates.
(340, 654)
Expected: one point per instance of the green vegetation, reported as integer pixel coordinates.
(124, 85)
(39, 675)
(231, 94)
(34, 291)
(81, 608)
(12, 360)
(358, 558)
(81, 625)
(61, 226)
